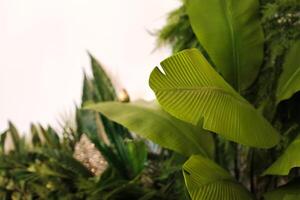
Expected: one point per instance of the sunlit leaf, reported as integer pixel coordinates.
(206, 180)
(191, 90)
(231, 33)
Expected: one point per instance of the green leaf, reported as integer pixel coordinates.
(230, 32)
(35, 138)
(102, 81)
(15, 136)
(137, 151)
(287, 192)
(2, 142)
(205, 180)
(288, 160)
(51, 137)
(150, 121)
(191, 90)
(289, 81)
(292, 197)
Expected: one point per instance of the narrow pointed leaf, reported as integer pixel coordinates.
(191, 90)
(230, 31)
(102, 81)
(150, 121)
(15, 136)
(288, 160)
(289, 81)
(205, 180)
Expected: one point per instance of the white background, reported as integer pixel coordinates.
(43, 46)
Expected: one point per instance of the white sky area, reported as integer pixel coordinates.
(43, 46)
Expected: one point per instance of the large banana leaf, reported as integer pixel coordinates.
(205, 180)
(191, 90)
(288, 160)
(150, 121)
(289, 81)
(287, 192)
(230, 31)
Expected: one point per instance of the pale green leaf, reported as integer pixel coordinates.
(289, 81)
(231, 33)
(191, 90)
(205, 180)
(148, 120)
(288, 160)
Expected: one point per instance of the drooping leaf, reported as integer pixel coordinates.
(286, 192)
(148, 120)
(191, 90)
(288, 160)
(205, 180)
(289, 81)
(230, 32)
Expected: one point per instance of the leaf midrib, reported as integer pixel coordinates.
(166, 118)
(206, 88)
(229, 20)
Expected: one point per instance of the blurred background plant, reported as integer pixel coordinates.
(90, 157)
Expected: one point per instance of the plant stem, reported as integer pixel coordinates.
(252, 175)
(236, 161)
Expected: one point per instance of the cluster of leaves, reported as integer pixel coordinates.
(40, 167)
(41, 164)
(238, 95)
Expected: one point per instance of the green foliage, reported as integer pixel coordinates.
(148, 120)
(206, 180)
(288, 83)
(231, 34)
(42, 165)
(108, 136)
(38, 169)
(260, 100)
(178, 32)
(284, 192)
(287, 161)
(191, 90)
(230, 37)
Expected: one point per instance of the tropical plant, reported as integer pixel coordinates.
(237, 97)
(126, 155)
(40, 167)
(46, 164)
